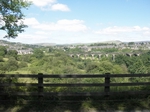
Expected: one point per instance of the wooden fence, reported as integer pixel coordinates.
(106, 85)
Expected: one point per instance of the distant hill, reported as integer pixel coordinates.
(54, 44)
(45, 44)
(112, 41)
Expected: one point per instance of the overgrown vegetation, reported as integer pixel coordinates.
(56, 61)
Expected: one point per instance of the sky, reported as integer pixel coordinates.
(85, 21)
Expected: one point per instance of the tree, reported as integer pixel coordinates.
(3, 50)
(12, 64)
(1, 59)
(11, 17)
(137, 67)
(22, 64)
(3, 67)
(38, 53)
(25, 58)
(12, 53)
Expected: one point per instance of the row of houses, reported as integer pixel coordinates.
(133, 46)
(18, 47)
(27, 51)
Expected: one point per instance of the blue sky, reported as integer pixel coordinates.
(85, 21)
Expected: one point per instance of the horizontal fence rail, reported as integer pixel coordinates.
(40, 84)
(73, 75)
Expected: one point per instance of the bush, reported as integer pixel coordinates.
(22, 64)
(12, 64)
(1, 59)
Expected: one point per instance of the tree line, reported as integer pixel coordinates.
(56, 61)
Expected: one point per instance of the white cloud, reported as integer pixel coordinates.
(117, 30)
(147, 33)
(50, 5)
(60, 7)
(61, 25)
(30, 38)
(41, 33)
(126, 33)
(31, 21)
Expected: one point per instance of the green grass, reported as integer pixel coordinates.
(5, 59)
(19, 72)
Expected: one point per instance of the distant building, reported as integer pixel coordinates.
(22, 52)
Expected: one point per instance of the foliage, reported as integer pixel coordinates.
(12, 17)
(103, 67)
(1, 59)
(25, 58)
(38, 53)
(131, 43)
(3, 50)
(22, 64)
(12, 64)
(137, 68)
(106, 50)
(58, 62)
(135, 65)
(12, 53)
(120, 59)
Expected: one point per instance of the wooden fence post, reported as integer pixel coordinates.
(107, 82)
(40, 85)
